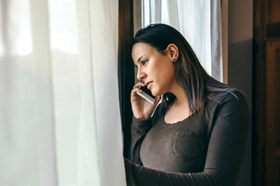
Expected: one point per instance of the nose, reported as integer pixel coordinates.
(141, 75)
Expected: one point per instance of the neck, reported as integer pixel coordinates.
(181, 97)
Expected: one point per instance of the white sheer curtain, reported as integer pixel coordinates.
(59, 113)
(198, 20)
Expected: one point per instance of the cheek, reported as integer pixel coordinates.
(163, 83)
(162, 72)
(167, 73)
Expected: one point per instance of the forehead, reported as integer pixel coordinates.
(140, 49)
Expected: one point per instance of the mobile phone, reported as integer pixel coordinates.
(147, 94)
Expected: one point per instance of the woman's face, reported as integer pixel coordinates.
(155, 69)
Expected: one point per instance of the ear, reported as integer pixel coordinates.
(173, 52)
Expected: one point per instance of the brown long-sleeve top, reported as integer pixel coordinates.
(189, 153)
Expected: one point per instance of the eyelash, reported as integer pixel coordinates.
(144, 62)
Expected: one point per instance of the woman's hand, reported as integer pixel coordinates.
(141, 108)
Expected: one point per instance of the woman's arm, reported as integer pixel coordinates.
(224, 156)
(139, 129)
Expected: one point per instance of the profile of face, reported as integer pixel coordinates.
(154, 68)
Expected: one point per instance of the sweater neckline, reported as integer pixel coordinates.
(192, 117)
(163, 123)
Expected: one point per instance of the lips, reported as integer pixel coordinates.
(148, 84)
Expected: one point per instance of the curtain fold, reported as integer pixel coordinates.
(88, 166)
(102, 16)
(59, 112)
(216, 40)
(26, 111)
(44, 118)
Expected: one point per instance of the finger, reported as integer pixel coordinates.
(133, 92)
(139, 84)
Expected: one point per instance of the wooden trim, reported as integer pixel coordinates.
(125, 68)
(277, 153)
(259, 85)
(273, 39)
(270, 114)
(224, 5)
(272, 152)
(264, 149)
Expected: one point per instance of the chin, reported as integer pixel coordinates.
(155, 93)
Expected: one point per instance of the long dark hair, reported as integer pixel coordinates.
(189, 73)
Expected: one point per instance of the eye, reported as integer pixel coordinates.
(144, 62)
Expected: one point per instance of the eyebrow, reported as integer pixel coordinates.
(139, 59)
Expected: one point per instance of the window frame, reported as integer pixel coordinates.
(126, 73)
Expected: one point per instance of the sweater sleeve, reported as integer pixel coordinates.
(224, 155)
(139, 129)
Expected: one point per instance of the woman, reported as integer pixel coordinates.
(197, 135)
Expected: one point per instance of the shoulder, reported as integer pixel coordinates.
(232, 107)
(234, 101)
(228, 97)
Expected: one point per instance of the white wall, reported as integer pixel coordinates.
(240, 52)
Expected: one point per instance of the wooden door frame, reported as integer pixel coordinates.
(261, 112)
(125, 68)
(270, 145)
(259, 85)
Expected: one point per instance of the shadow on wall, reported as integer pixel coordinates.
(240, 76)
